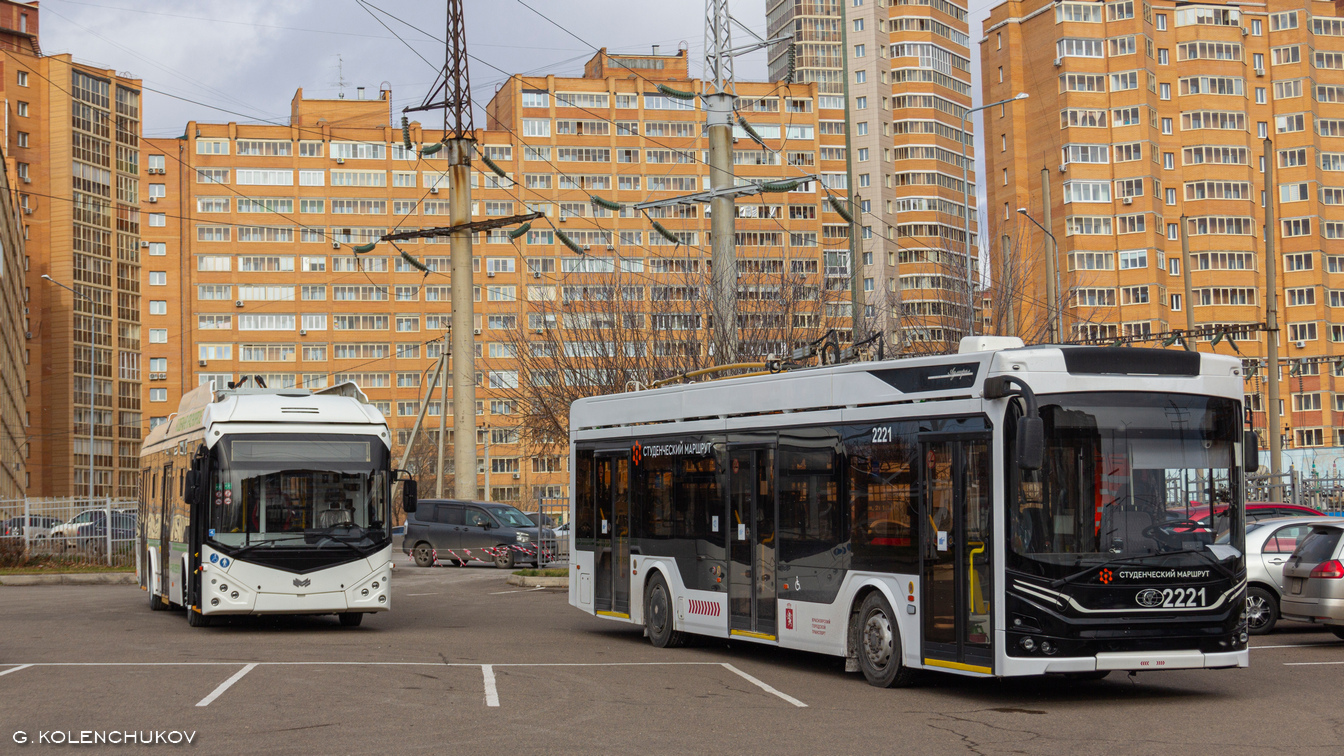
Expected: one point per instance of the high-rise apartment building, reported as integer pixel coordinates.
(73, 134)
(14, 346)
(908, 84)
(251, 230)
(1156, 115)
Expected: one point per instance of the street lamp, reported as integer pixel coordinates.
(91, 300)
(1051, 285)
(966, 207)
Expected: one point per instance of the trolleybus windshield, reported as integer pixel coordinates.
(1128, 476)
(299, 491)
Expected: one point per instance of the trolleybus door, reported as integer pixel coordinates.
(751, 538)
(161, 539)
(612, 531)
(956, 554)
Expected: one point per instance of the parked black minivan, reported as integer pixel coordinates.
(467, 528)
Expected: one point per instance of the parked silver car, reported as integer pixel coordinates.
(1315, 578)
(1269, 543)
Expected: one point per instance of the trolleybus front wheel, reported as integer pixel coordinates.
(351, 619)
(658, 614)
(196, 619)
(879, 644)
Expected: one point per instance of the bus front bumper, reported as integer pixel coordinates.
(1132, 661)
(363, 585)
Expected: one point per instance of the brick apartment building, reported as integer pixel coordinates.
(1156, 115)
(250, 231)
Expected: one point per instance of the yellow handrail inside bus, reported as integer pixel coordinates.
(977, 602)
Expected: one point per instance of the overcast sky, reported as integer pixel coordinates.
(248, 56)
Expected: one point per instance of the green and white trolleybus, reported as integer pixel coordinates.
(1002, 511)
(268, 501)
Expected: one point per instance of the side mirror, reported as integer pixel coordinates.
(410, 495)
(1250, 452)
(1030, 443)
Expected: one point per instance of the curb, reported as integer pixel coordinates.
(89, 578)
(537, 582)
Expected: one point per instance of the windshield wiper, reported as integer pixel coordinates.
(251, 546)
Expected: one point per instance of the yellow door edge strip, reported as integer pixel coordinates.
(958, 665)
(622, 615)
(750, 634)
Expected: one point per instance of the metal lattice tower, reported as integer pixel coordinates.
(718, 48)
(452, 88)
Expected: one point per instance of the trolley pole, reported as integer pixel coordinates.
(1272, 418)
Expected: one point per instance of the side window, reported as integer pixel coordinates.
(1285, 540)
(450, 514)
(583, 499)
(477, 518)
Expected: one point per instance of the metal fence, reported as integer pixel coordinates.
(554, 514)
(73, 531)
(1295, 487)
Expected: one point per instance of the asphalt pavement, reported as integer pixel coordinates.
(467, 664)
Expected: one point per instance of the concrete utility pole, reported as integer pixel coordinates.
(1273, 423)
(1051, 261)
(720, 105)
(856, 268)
(1189, 300)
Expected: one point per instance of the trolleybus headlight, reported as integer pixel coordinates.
(1244, 637)
(364, 592)
(375, 585)
(1028, 644)
(1048, 648)
(234, 595)
(214, 602)
(382, 599)
(224, 588)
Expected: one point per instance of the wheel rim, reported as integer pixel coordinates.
(422, 553)
(657, 610)
(877, 640)
(1257, 612)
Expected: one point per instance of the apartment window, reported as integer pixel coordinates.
(1257, 27)
(1160, 21)
(1166, 126)
(1164, 91)
(22, 108)
(22, 78)
(1169, 160)
(860, 51)
(861, 103)
(1173, 265)
(1175, 302)
(1163, 56)
(158, 220)
(158, 249)
(158, 278)
(860, 77)
(1260, 97)
(158, 395)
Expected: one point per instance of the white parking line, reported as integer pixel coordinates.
(420, 594)
(225, 685)
(15, 669)
(1311, 664)
(763, 686)
(528, 590)
(491, 692)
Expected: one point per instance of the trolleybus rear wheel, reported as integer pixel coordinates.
(879, 644)
(351, 619)
(658, 614)
(156, 602)
(424, 555)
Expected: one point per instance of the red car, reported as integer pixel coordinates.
(1256, 511)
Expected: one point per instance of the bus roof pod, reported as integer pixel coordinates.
(973, 344)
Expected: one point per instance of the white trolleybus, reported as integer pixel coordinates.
(268, 501)
(999, 512)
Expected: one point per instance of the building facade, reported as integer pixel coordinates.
(251, 230)
(73, 135)
(1156, 115)
(904, 66)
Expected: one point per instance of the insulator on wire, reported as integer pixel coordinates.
(675, 93)
(839, 208)
(517, 232)
(568, 242)
(793, 63)
(752, 133)
(1232, 343)
(430, 149)
(663, 232)
(414, 263)
(604, 202)
(493, 166)
(1170, 339)
(776, 187)
(406, 133)
(363, 248)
